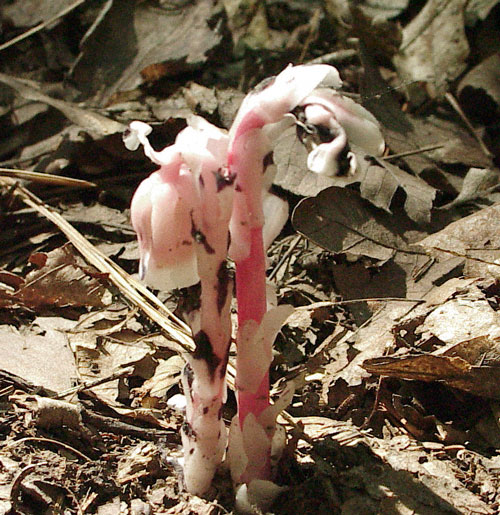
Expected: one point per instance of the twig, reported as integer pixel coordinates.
(41, 25)
(49, 440)
(465, 256)
(312, 33)
(453, 102)
(16, 485)
(90, 384)
(335, 57)
(46, 178)
(114, 426)
(285, 256)
(412, 152)
(130, 287)
(328, 303)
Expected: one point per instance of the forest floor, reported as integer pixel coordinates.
(394, 345)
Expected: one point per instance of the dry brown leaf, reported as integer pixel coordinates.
(472, 366)
(476, 236)
(434, 46)
(62, 279)
(129, 37)
(339, 220)
(40, 354)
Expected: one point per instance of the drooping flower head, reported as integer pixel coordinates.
(167, 203)
(346, 122)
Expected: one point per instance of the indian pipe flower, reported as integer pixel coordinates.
(264, 113)
(346, 122)
(160, 213)
(181, 214)
(209, 185)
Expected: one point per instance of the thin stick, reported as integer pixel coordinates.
(16, 485)
(130, 287)
(41, 25)
(285, 256)
(49, 440)
(412, 152)
(453, 102)
(45, 178)
(335, 57)
(91, 384)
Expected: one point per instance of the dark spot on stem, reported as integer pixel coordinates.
(202, 181)
(189, 375)
(205, 352)
(238, 188)
(205, 410)
(223, 178)
(189, 431)
(191, 450)
(223, 281)
(200, 238)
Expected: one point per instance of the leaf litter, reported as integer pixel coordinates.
(395, 343)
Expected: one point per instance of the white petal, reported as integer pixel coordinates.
(275, 217)
(361, 127)
(255, 348)
(167, 278)
(257, 497)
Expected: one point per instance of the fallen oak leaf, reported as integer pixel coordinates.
(88, 120)
(419, 195)
(472, 366)
(61, 279)
(339, 220)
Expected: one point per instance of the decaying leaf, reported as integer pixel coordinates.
(476, 184)
(141, 461)
(88, 120)
(458, 328)
(62, 279)
(428, 141)
(381, 182)
(340, 221)
(131, 42)
(472, 365)
(167, 374)
(40, 353)
(476, 236)
(434, 46)
(26, 13)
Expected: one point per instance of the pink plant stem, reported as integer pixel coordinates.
(252, 305)
(251, 297)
